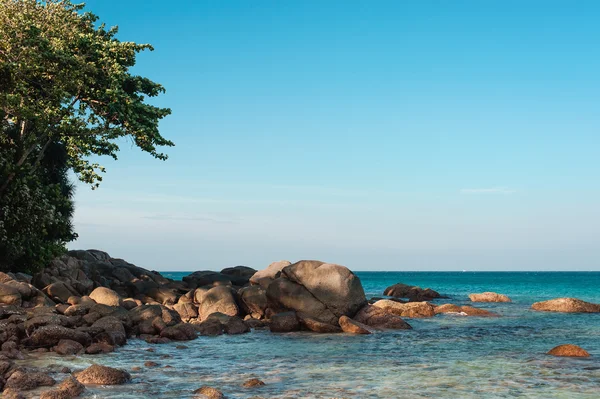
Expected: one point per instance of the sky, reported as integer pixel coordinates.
(380, 135)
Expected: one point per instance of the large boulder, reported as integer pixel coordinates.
(413, 293)
(284, 322)
(218, 299)
(566, 305)
(68, 347)
(266, 276)
(379, 318)
(206, 277)
(239, 275)
(10, 295)
(254, 300)
(186, 310)
(411, 309)
(206, 392)
(106, 296)
(60, 291)
(179, 332)
(51, 335)
(489, 297)
(68, 389)
(25, 381)
(569, 351)
(103, 375)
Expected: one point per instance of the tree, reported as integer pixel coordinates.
(64, 79)
(66, 94)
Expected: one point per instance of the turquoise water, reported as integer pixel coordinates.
(447, 356)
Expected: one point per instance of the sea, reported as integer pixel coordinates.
(447, 356)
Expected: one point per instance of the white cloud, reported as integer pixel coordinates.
(491, 190)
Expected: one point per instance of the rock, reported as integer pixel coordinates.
(106, 296)
(51, 335)
(208, 393)
(252, 383)
(333, 285)
(202, 278)
(218, 299)
(566, 305)
(463, 310)
(266, 276)
(413, 293)
(114, 333)
(379, 318)
(568, 351)
(235, 326)
(179, 332)
(9, 295)
(186, 310)
(210, 327)
(144, 313)
(10, 393)
(411, 309)
(103, 375)
(60, 291)
(69, 388)
(254, 300)
(284, 322)
(163, 295)
(25, 381)
(353, 327)
(239, 275)
(78, 310)
(150, 364)
(99, 347)
(68, 347)
(130, 303)
(318, 326)
(489, 297)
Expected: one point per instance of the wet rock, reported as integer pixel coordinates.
(253, 383)
(9, 295)
(463, 310)
(69, 388)
(235, 326)
(10, 393)
(218, 299)
(157, 340)
(208, 393)
(103, 375)
(284, 322)
(318, 326)
(150, 364)
(24, 381)
(106, 296)
(68, 347)
(379, 318)
(179, 332)
(99, 347)
(210, 327)
(411, 309)
(566, 305)
(489, 297)
(569, 351)
(413, 293)
(50, 336)
(353, 327)
(266, 276)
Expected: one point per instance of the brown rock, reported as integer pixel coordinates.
(353, 327)
(381, 319)
(60, 291)
(24, 381)
(411, 309)
(413, 293)
(566, 305)
(179, 332)
(99, 347)
(284, 322)
(68, 347)
(106, 296)
(489, 297)
(208, 393)
(210, 327)
(266, 276)
(569, 351)
(252, 383)
(9, 295)
(318, 326)
(150, 364)
(464, 310)
(218, 299)
(186, 310)
(69, 388)
(10, 393)
(51, 335)
(102, 375)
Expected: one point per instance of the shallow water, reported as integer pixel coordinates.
(447, 356)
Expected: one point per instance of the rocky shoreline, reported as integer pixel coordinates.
(88, 302)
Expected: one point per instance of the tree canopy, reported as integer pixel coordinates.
(67, 93)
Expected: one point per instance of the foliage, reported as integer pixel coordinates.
(66, 94)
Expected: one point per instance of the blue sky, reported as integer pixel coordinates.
(382, 135)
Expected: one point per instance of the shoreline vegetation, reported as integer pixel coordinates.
(87, 302)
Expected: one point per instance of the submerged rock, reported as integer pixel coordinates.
(568, 350)
(252, 383)
(566, 305)
(411, 309)
(103, 375)
(379, 318)
(464, 310)
(69, 388)
(284, 322)
(489, 297)
(208, 393)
